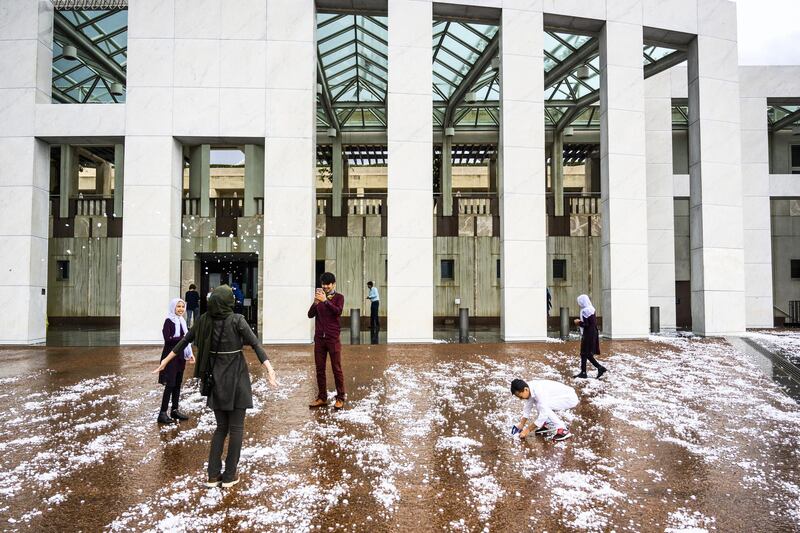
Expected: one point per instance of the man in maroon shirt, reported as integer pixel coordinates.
(326, 310)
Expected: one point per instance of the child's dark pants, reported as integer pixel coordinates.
(173, 392)
(591, 359)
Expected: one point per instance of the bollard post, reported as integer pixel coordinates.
(655, 319)
(564, 322)
(355, 326)
(463, 325)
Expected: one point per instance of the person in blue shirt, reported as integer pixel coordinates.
(374, 322)
(239, 296)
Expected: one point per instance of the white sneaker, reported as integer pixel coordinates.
(229, 484)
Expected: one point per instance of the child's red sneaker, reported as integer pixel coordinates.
(543, 430)
(561, 434)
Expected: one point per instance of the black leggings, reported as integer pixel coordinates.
(591, 359)
(229, 424)
(171, 392)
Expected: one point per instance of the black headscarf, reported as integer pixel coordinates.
(220, 307)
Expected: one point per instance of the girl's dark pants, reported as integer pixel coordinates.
(591, 359)
(173, 392)
(230, 424)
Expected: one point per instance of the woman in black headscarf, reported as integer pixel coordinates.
(219, 335)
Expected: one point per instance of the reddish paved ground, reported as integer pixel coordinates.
(683, 434)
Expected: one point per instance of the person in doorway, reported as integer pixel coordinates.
(219, 335)
(238, 296)
(192, 299)
(548, 397)
(171, 373)
(326, 310)
(374, 321)
(210, 292)
(590, 337)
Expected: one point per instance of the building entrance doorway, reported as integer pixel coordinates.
(234, 269)
(683, 305)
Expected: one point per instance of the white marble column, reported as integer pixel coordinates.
(557, 173)
(410, 181)
(623, 201)
(756, 207)
(153, 170)
(253, 177)
(446, 176)
(200, 176)
(67, 178)
(103, 179)
(151, 235)
(660, 202)
(521, 184)
(716, 231)
(26, 28)
(289, 188)
(119, 178)
(336, 175)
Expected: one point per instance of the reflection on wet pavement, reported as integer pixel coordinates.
(684, 433)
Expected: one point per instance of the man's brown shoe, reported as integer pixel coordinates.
(339, 404)
(317, 403)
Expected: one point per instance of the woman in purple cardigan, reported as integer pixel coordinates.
(172, 376)
(590, 337)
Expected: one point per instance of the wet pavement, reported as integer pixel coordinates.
(682, 433)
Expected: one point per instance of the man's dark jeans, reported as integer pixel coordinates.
(374, 321)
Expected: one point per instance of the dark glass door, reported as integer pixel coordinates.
(240, 269)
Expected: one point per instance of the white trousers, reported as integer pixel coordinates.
(548, 408)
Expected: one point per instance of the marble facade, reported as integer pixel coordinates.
(200, 69)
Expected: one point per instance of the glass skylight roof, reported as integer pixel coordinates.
(456, 48)
(558, 46)
(654, 53)
(353, 54)
(783, 116)
(680, 115)
(87, 79)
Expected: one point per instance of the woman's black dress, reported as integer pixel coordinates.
(174, 370)
(590, 341)
(231, 377)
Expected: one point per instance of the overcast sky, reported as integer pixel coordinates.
(769, 32)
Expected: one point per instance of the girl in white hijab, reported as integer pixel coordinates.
(172, 376)
(590, 337)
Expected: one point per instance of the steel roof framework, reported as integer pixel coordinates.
(101, 39)
(466, 80)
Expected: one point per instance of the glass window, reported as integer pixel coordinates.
(448, 268)
(498, 269)
(795, 268)
(796, 159)
(84, 79)
(560, 269)
(62, 270)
